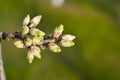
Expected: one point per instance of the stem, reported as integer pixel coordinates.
(12, 35)
(2, 72)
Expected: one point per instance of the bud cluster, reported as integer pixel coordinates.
(35, 39)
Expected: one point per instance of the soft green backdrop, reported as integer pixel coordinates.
(96, 55)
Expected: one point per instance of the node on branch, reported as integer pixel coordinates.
(35, 40)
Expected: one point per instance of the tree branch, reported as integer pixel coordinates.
(2, 72)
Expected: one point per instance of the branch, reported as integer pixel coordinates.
(34, 39)
(2, 72)
(10, 35)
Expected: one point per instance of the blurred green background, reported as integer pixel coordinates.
(96, 55)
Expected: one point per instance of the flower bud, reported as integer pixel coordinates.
(36, 32)
(35, 21)
(30, 56)
(37, 51)
(58, 31)
(19, 44)
(28, 41)
(68, 37)
(25, 30)
(66, 43)
(36, 40)
(54, 47)
(26, 20)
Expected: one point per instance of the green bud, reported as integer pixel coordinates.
(30, 56)
(33, 51)
(37, 51)
(58, 31)
(36, 40)
(26, 20)
(66, 43)
(28, 41)
(68, 37)
(35, 21)
(36, 32)
(54, 47)
(19, 44)
(25, 30)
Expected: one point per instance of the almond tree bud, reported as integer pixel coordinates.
(37, 51)
(19, 44)
(36, 40)
(30, 56)
(26, 20)
(54, 47)
(66, 43)
(25, 30)
(35, 21)
(28, 41)
(36, 32)
(58, 31)
(68, 37)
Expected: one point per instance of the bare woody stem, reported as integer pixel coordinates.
(10, 35)
(17, 35)
(2, 72)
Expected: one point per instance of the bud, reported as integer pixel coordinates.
(35, 21)
(68, 37)
(30, 56)
(36, 32)
(25, 30)
(19, 44)
(28, 41)
(54, 47)
(66, 43)
(36, 40)
(26, 20)
(37, 51)
(58, 31)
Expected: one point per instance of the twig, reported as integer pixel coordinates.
(2, 72)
